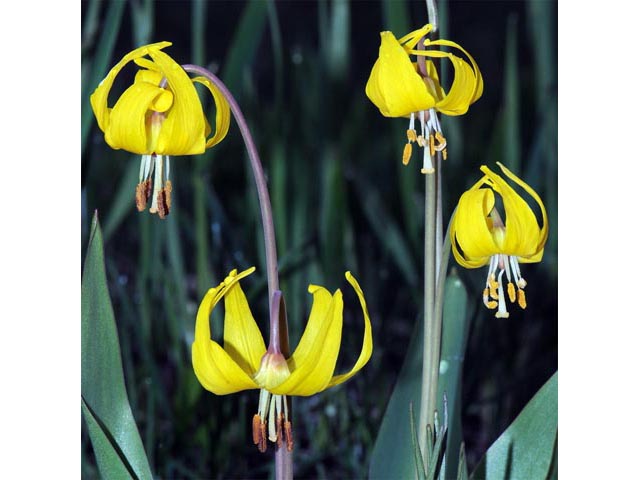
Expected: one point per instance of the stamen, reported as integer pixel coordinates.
(444, 153)
(442, 142)
(505, 264)
(522, 301)
(485, 298)
(432, 146)
(511, 290)
(288, 435)
(256, 429)
(162, 202)
(143, 191)
(262, 446)
(421, 141)
(406, 155)
(279, 429)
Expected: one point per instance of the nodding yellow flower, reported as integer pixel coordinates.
(159, 115)
(399, 88)
(245, 363)
(480, 237)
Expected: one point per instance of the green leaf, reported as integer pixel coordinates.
(526, 449)
(106, 407)
(417, 455)
(392, 455)
(455, 327)
(108, 456)
(245, 43)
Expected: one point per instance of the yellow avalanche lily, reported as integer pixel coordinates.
(245, 363)
(400, 88)
(480, 237)
(159, 115)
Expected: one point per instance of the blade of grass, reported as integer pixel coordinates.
(455, 329)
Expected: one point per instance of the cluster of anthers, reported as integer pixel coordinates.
(430, 136)
(154, 182)
(505, 264)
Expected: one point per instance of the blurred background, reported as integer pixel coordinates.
(342, 200)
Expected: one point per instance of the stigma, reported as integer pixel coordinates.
(493, 296)
(431, 139)
(154, 183)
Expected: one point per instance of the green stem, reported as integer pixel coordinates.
(432, 322)
(431, 342)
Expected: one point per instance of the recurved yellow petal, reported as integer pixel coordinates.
(216, 370)
(128, 128)
(223, 114)
(544, 230)
(242, 338)
(182, 130)
(367, 341)
(521, 227)
(394, 86)
(100, 96)
(471, 228)
(314, 360)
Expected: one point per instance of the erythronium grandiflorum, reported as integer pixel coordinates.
(158, 116)
(480, 237)
(400, 88)
(245, 363)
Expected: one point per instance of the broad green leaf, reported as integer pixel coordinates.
(526, 449)
(455, 327)
(393, 454)
(108, 456)
(103, 388)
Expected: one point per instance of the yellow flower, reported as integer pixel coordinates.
(399, 89)
(245, 363)
(159, 115)
(480, 237)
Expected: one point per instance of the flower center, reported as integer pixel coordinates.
(504, 264)
(430, 136)
(273, 414)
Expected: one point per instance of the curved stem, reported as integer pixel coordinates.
(283, 458)
(258, 174)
